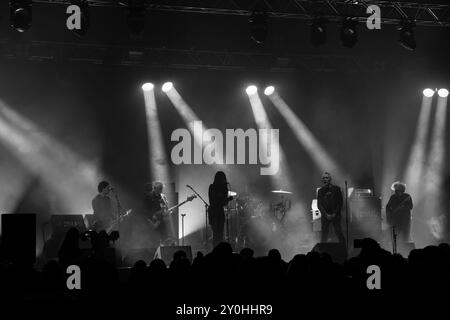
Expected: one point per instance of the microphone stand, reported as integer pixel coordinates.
(206, 214)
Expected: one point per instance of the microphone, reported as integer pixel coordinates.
(189, 186)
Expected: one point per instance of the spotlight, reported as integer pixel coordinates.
(147, 86)
(84, 16)
(20, 14)
(136, 16)
(428, 92)
(443, 93)
(406, 35)
(318, 31)
(269, 90)
(349, 37)
(251, 89)
(258, 26)
(167, 86)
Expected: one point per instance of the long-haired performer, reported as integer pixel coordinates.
(398, 211)
(218, 198)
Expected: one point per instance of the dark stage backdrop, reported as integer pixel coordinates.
(365, 121)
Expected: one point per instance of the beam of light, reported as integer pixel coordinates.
(316, 151)
(416, 161)
(251, 90)
(443, 93)
(297, 216)
(158, 162)
(167, 86)
(281, 179)
(202, 136)
(434, 173)
(15, 180)
(67, 174)
(428, 92)
(269, 90)
(147, 86)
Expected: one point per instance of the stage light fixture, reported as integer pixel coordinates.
(147, 86)
(269, 90)
(428, 92)
(406, 35)
(166, 87)
(251, 89)
(318, 31)
(349, 36)
(20, 14)
(136, 16)
(84, 16)
(258, 26)
(443, 93)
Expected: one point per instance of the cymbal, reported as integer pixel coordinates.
(281, 191)
(232, 194)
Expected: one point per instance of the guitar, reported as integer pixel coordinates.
(113, 224)
(116, 221)
(165, 212)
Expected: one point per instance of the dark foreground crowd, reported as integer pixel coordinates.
(225, 277)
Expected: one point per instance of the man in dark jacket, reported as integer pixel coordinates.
(329, 202)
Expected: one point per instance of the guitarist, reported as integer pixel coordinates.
(398, 211)
(103, 207)
(155, 205)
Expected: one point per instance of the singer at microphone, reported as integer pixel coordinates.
(103, 207)
(218, 198)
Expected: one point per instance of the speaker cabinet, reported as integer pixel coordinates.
(364, 218)
(18, 236)
(166, 253)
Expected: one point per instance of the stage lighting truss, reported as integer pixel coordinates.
(102, 54)
(393, 12)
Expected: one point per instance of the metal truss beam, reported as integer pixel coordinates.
(392, 12)
(59, 52)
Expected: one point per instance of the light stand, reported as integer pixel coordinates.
(182, 228)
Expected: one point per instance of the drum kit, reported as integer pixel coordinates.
(249, 220)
